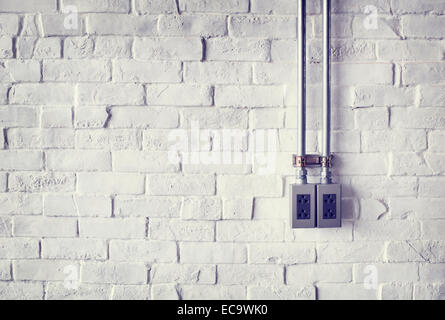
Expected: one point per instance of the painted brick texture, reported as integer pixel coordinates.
(94, 204)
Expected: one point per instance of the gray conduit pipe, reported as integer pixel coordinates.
(301, 113)
(326, 145)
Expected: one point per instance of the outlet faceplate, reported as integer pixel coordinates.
(303, 206)
(329, 205)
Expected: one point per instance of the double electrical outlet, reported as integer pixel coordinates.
(315, 205)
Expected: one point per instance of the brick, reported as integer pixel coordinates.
(100, 94)
(231, 49)
(423, 26)
(210, 292)
(216, 118)
(20, 290)
(341, 26)
(424, 118)
(183, 274)
(20, 204)
(341, 291)
(180, 185)
(242, 274)
(249, 96)
(21, 160)
(201, 209)
(115, 139)
(122, 6)
(429, 291)
(157, 207)
(427, 208)
(182, 49)
(130, 292)
(219, 6)
(56, 117)
(19, 248)
(111, 183)
(32, 25)
(409, 50)
(384, 230)
(156, 6)
(116, 24)
(281, 293)
(160, 140)
(358, 6)
(113, 47)
(179, 94)
(394, 140)
(59, 291)
(143, 250)
(270, 208)
(114, 272)
(32, 6)
(90, 117)
(74, 249)
(237, 209)
(76, 160)
(43, 93)
(318, 273)
(263, 27)
(4, 88)
(164, 292)
(154, 72)
(76, 71)
(218, 72)
(77, 205)
(420, 73)
(435, 141)
(414, 165)
(40, 138)
(78, 47)
(136, 161)
(387, 27)
(193, 25)
(144, 118)
(5, 270)
(320, 235)
(48, 48)
(387, 272)
(212, 253)
(6, 47)
(382, 187)
(41, 182)
(345, 141)
(431, 188)
(362, 74)
(431, 272)
(341, 252)
(3, 181)
(162, 229)
(282, 7)
(9, 24)
(432, 96)
(281, 254)
(396, 291)
(245, 186)
(252, 231)
(44, 227)
(380, 96)
(412, 6)
(20, 71)
(267, 118)
(62, 25)
(41, 270)
(415, 251)
(356, 165)
(18, 116)
(432, 230)
(112, 228)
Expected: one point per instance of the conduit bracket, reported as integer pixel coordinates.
(312, 161)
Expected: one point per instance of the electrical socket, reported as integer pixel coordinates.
(303, 206)
(329, 205)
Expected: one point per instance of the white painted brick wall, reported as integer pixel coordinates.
(88, 185)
